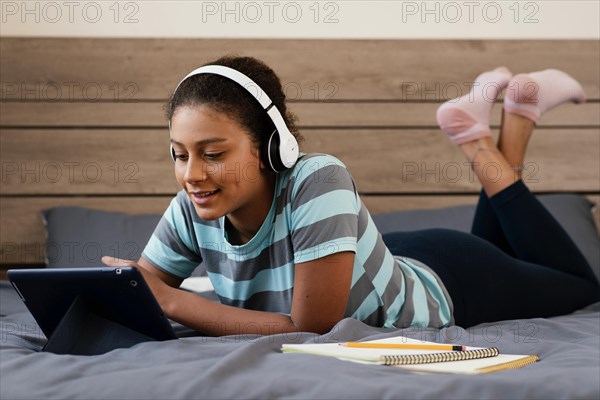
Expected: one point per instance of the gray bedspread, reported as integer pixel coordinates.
(247, 366)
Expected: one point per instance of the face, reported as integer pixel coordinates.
(218, 165)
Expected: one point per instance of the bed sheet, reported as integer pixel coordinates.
(249, 366)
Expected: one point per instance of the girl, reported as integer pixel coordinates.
(297, 250)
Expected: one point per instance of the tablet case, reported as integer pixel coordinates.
(89, 311)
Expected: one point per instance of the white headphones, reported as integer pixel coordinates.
(282, 148)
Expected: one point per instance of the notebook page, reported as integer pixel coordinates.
(479, 366)
(368, 355)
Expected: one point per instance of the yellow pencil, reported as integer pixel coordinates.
(409, 346)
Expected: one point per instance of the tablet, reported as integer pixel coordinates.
(91, 310)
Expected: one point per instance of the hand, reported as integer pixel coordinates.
(159, 288)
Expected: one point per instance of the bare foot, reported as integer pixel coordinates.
(514, 137)
(527, 98)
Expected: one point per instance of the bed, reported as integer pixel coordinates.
(251, 366)
(377, 117)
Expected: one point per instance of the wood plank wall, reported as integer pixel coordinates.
(81, 121)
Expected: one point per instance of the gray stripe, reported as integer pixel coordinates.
(311, 155)
(156, 264)
(189, 212)
(280, 302)
(285, 196)
(434, 310)
(338, 226)
(373, 265)
(363, 221)
(374, 261)
(407, 313)
(168, 236)
(359, 292)
(393, 288)
(444, 291)
(271, 257)
(324, 180)
(432, 306)
(377, 317)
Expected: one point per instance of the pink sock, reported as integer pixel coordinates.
(468, 117)
(531, 95)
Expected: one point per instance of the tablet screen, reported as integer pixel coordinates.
(119, 295)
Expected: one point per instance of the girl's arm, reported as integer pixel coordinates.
(321, 290)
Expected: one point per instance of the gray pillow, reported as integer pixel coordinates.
(79, 237)
(572, 211)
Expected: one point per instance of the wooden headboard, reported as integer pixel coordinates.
(82, 120)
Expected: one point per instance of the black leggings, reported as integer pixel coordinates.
(517, 263)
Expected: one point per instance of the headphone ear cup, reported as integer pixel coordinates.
(264, 153)
(273, 153)
(172, 152)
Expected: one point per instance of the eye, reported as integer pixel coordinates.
(181, 157)
(213, 156)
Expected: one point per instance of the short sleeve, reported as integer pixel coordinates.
(172, 247)
(324, 209)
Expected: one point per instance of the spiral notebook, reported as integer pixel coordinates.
(474, 360)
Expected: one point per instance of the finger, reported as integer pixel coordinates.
(116, 262)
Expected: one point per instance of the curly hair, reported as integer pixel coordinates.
(226, 96)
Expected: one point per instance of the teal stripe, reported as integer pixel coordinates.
(368, 240)
(385, 273)
(208, 233)
(169, 260)
(419, 299)
(170, 211)
(326, 249)
(213, 246)
(275, 280)
(357, 272)
(177, 221)
(368, 306)
(312, 165)
(280, 227)
(393, 311)
(436, 292)
(333, 203)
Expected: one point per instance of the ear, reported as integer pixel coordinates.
(259, 153)
(261, 163)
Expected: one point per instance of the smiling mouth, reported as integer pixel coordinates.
(205, 194)
(202, 198)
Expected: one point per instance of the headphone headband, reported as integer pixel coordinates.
(287, 152)
(236, 76)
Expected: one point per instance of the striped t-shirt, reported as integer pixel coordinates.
(316, 211)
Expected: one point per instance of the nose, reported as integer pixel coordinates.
(195, 170)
